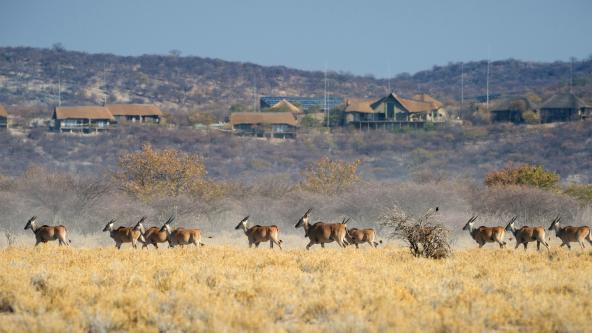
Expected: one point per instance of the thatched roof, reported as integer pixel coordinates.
(253, 118)
(82, 112)
(134, 110)
(417, 106)
(3, 112)
(564, 101)
(369, 106)
(428, 99)
(358, 105)
(285, 105)
(514, 104)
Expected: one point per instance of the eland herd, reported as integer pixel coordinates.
(317, 233)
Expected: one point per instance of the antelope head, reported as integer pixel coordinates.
(167, 225)
(555, 223)
(109, 226)
(31, 223)
(140, 225)
(510, 227)
(470, 223)
(242, 224)
(303, 222)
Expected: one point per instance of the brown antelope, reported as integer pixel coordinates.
(321, 233)
(153, 235)
(570, 234)
(258, 233)
(46, 233)
(359, 236)
(125, 234)
(527, 234)
(484, 234)
(181, 236)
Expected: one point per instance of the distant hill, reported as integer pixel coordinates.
(29, 76)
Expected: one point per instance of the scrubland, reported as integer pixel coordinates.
(224, 288)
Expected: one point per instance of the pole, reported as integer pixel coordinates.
(488, 62)
(462, 87)
(326, 108)
(59, 85)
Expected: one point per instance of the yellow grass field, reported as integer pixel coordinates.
(230, 288)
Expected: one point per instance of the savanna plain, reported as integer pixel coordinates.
(230, 288)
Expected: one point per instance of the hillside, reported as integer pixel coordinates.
(451, 152)
(29, 76)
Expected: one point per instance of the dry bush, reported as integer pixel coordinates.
(10, 238)
(533, 206)
(329, 176)
(425, 236)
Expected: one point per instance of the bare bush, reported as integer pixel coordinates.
(425, 236)
(10, 238)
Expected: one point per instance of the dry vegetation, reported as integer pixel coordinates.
(226, 289)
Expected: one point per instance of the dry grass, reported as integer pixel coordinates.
(229, 288)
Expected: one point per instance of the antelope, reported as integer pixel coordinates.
(321, 233)
(181, 236)
(359, 236)
(527, 234)
(258, 233)
(125, 234)
(46, 233)
(153, 235)
(484, 234)
(570, 234)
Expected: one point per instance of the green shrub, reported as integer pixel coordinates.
(581, 192)
(528, 175)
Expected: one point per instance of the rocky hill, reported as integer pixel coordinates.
(30, 76)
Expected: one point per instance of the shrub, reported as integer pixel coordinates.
(581, 192)
(168, 172)
(424, 236)
(531, 117)
(330, 177)
(528, 175)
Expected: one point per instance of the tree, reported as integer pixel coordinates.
(527, 175)
(58, 47)
(168, 172)
(309, 121)
(330, 177)
(236, 108)
(175, 53)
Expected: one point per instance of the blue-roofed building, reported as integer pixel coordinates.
(305, 103)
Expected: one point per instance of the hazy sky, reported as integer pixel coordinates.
(362, 37)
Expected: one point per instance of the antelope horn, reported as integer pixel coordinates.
(171, 219)
(308, 212)
(246, 218)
